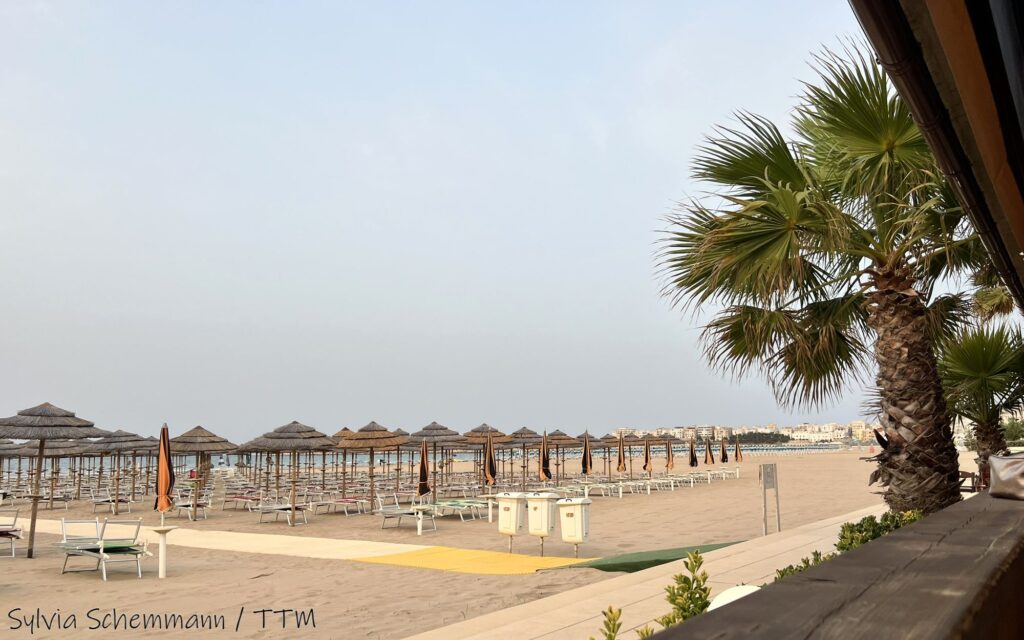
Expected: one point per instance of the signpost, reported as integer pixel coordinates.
(769, 478)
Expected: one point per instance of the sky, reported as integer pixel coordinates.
(239, 214)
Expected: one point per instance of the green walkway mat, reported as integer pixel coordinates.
(631, 562)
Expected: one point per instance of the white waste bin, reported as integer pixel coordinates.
(574, 517)
(511, 514)
(541, 507)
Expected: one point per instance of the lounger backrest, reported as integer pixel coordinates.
(8, 518)
(79, 530)
(123, 531)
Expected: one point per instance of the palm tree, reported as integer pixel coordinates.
(983, 372)
(820, 254)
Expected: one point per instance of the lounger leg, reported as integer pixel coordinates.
(64, 569)
(138, 564)
(103, 566)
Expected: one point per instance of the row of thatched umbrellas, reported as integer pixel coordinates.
(53, 432)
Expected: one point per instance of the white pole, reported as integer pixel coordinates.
(163, 556)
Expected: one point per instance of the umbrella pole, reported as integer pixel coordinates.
(370, 462)
(291, 499)
(117, 483)
(54, 469)
(35, 499)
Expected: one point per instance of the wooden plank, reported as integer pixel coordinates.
(957, 574)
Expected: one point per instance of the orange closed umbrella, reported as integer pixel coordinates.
(545, 459)
(423, 488)
(648, 465)
(164, 475)
(588, 461)
(490, 465)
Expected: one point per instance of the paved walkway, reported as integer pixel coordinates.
(409, 555)
(576, 614)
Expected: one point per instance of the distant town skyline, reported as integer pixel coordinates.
(399, 212)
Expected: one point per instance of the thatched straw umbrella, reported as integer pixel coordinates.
(561, 441)
(338, 437)
(116, 443)
(42, 423)
(53, 449)
(372, 436)
(201, 443)
(7, 450)
(435, 434)
(292, 438)
(525, 438)
(477, 439)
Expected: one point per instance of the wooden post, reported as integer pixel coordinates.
(35, 499)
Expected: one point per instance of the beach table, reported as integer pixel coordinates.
(422, 511)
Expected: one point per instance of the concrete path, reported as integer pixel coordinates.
(576, 614)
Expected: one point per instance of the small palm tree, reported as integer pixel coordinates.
(983, 372)
(819, 257)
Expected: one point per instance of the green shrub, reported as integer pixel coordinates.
(689, 595)
(612, 623)
(852, 535)
(806, 563)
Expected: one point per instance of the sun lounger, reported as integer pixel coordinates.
(9, 529)
(279, 510)
(419, 513)
(460, 508)
(108, 545)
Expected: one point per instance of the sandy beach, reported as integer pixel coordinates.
(358, 600)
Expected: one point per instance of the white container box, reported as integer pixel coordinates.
(542, 509)
(574, 517)
(511, 513)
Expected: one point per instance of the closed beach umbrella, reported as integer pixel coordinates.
(648, 465)
(738, 452)
(621, 466)
(436, 435)
(545, 460)
(490, 467)
(693, 454)
(723, 453)
(477, 439)
(164, 475)
(670, 455)
(423, 488)
(709, 456)
(45, 422)
(630, 440)
(588, 461)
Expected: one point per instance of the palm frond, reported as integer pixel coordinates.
(741, 159)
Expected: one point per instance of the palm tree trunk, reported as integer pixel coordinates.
(991, 442)
(918, 465)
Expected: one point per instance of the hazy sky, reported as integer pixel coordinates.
(237, 214)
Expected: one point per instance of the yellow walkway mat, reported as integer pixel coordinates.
(404, 555)
(472, 561)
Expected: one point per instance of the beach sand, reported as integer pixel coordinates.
(359, 600)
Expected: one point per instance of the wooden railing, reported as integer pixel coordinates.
(958, 573)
